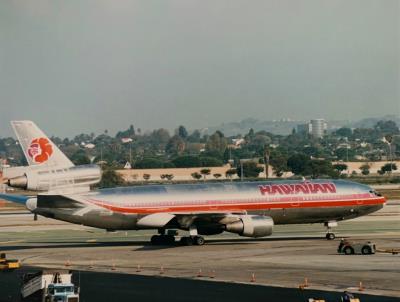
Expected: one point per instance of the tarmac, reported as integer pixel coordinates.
(294, 253)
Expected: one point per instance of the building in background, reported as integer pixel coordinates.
(304, 128)
(316, 127)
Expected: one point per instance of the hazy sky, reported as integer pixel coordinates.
(80, 66)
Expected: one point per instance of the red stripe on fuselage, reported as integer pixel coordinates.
(210, 206)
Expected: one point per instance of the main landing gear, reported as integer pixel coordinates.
(162, 239)
(169, 238)
(329, 225)
(193, 240)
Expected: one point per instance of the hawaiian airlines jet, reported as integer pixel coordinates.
(249, 209)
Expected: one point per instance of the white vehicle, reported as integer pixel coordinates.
(49, 286)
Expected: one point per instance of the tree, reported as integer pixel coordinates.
(175, 145)
(217, 175)
(110, 178)
(195, 137)
(80, 158)
(388, 168)
(344, 132)
(340, 167)
(229, 173)
(278, 163)
(205, 172)
(182, 132)
(322, 167)
(159, 138)
(167, 176)
(187, 161)
(130, 132)
(196, 175)
(149, 163)
(250, 169)
(207, 161)
(365, 169)
(386, 127)
(345, 153)
(216, 142)
(299, 164)
(249, 136)
(259, 140)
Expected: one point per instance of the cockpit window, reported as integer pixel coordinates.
(375, 193)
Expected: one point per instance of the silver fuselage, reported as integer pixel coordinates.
(286, 202)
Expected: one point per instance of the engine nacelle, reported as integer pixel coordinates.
(55, 178)
(210, 229)
(252, 226)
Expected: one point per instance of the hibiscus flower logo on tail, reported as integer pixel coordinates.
(40, 150)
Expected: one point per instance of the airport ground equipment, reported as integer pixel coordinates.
(350, 248)
(49, 286)
(8, 264)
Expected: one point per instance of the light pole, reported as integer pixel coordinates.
(266, 162)
(389, 139)
(241, 170)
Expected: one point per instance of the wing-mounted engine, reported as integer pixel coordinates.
(251, 226)
(56, 178)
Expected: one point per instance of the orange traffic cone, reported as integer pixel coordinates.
(253, 277)
(138, 270)
(306, 282)
(360, 287)
(161, 270)
(199, 273)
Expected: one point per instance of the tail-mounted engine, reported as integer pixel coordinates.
(252, 226)
(47, 179)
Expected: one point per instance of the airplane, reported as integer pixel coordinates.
(249, 209)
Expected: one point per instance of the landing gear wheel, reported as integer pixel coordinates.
(162, 239)
(330, 236)
(187, 241)
(199, 240)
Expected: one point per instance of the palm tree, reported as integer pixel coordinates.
(205, 172)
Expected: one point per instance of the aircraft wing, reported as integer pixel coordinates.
(185, 220)
(79, 205)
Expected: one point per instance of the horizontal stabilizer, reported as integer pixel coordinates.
(21, 199)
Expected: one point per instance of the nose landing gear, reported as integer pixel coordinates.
(330, 236)
(329, 225)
